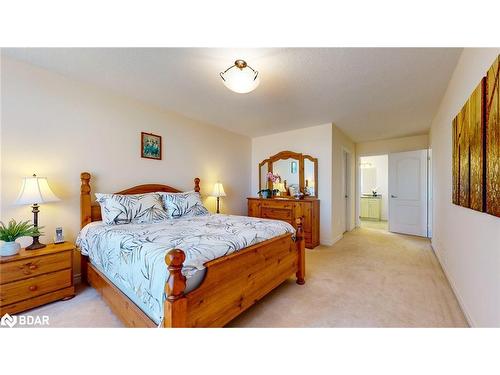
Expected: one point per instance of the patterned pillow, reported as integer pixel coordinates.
(136, 209)
(183, 204)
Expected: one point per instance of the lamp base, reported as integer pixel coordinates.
(35, 245)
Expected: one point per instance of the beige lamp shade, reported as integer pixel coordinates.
(35, 190)
(218, 190)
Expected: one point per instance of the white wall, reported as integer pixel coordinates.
(386, 146)
(341, 143)
(316, 141)
(381, 164)
(467, 242)
(58, 128)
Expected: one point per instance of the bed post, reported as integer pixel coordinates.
(85, 203)
(175, 306)
(197, 184)
(85, 218)
(301, 249)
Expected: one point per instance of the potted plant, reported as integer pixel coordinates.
(9, 233)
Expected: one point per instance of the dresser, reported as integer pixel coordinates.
(35, 277)
(370, 207)
(289, 209)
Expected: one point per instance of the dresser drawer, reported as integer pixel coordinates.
(24, 269)
(276, 203)
(34, 286)
(276, 213)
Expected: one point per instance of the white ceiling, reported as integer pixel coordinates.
(369, 93)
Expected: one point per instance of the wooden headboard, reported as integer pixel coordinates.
(92, 211)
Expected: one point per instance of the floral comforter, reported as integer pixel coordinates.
(132, 256)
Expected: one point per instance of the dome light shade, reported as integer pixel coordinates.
(240, 77)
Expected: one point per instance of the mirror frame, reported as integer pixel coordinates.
(266, 161)
(283, 155)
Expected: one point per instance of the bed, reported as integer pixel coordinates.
(208, 290)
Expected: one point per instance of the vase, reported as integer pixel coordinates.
(9, 248)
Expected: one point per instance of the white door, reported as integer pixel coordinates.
(408, 192)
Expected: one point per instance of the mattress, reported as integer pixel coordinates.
(132, 256)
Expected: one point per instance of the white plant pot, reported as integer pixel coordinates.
(9, 248)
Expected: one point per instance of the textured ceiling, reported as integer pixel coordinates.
(369, 93)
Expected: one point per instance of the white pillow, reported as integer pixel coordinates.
(136, 208)
(183, 204)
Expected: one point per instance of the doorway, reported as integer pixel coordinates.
(374, 192)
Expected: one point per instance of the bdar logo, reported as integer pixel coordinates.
(8, 320)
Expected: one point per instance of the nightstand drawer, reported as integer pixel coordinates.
(35, 286)
(24, 269)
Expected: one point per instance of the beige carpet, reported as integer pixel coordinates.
(373, 224)
(370, 278)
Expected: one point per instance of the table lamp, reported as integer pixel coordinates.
(35, 190)
(218, 192)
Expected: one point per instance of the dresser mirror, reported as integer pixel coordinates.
(263, 170)
(310, 172)
(294, 174)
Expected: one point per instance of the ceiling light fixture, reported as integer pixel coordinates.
(240, 77)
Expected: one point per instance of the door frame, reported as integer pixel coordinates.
(358, 183)
(347, 160)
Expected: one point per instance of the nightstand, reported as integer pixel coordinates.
(35, 277)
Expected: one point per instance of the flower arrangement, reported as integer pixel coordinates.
(273, 177)
(267, 193)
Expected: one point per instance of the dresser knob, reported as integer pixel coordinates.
(32, 288)
(33, 267)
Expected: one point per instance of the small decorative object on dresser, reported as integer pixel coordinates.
(59, 238)
(150, 146)
(289, 210)
(35, 190)
(36, 277)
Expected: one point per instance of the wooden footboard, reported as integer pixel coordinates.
(232, 283)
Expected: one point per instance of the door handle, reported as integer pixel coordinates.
(394, 196)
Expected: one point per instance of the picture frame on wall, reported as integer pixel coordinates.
(476, 147)
(151, 146)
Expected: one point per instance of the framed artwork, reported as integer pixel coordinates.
(150, 146)
(293, 167)
(476, 148)
(493, 139)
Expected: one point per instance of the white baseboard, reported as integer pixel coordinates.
(460, 300)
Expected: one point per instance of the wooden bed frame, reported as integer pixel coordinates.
(231, 285)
